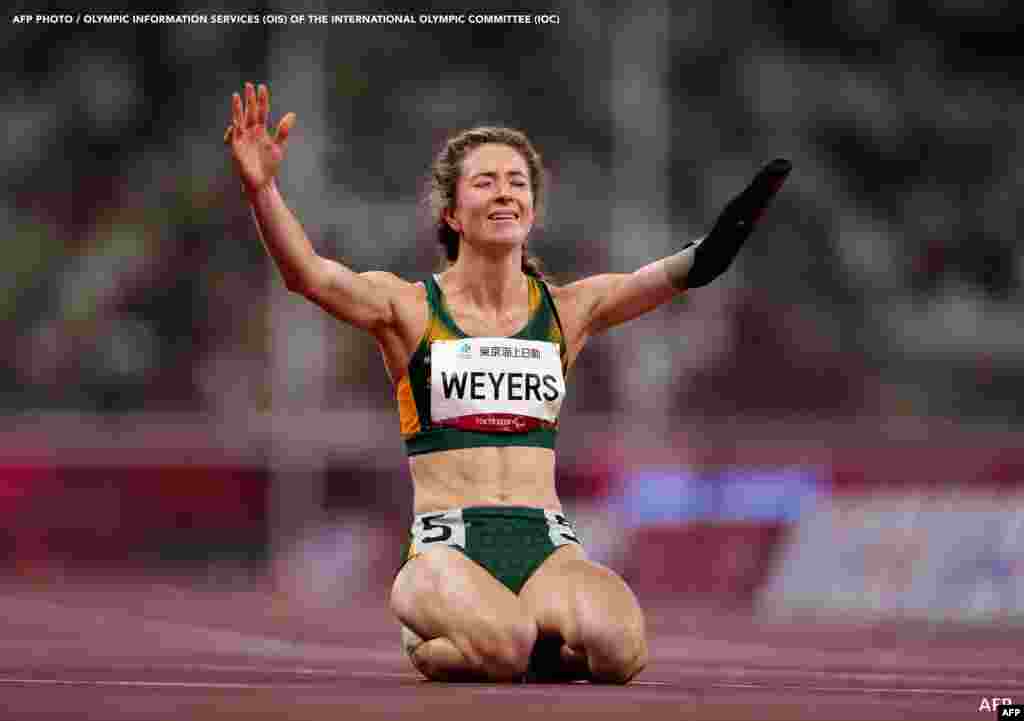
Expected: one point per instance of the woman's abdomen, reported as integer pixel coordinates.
(507, 476)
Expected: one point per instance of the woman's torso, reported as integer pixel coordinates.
(505, 476)
(501, 475)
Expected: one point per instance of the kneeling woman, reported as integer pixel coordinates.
(494, 583)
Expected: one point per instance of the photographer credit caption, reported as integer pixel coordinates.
(506, 18)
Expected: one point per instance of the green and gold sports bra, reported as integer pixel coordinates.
(464, 391)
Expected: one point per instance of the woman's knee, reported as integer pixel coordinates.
(616, 652)
(499, 653)
(488, 627)
(501, 650)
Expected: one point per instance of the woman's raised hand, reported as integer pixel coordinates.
(257, 153)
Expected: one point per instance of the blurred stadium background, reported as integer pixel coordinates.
(835, 425)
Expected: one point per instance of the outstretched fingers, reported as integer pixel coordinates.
(236, 118)
(236, 110)
(262, 105)
(284, 129)
(250, 115)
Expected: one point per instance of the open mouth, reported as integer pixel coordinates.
(501, 215)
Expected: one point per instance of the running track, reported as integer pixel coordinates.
(159, 650)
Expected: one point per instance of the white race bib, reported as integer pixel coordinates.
(500, 385)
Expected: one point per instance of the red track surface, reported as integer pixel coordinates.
(118, 651)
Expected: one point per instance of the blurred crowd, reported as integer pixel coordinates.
(886, 278)
(752, 434)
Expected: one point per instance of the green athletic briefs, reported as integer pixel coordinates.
(511, 542)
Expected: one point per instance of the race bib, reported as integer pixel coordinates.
(499, 385)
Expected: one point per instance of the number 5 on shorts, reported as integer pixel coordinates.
(570, 533)
(435, 523)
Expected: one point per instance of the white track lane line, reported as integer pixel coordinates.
(14, 681)
(857, 689)
(144, 684)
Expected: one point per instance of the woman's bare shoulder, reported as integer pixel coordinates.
(402, 293)
(564, 294)
(394, 282)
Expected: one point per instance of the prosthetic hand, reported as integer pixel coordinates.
(700, 262)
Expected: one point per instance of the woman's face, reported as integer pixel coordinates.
(493, 198)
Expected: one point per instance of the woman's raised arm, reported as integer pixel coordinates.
(364, 300)
(608, 300)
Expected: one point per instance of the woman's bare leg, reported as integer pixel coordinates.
(593, 610)
(473, 627)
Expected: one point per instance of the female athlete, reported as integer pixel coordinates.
(494, 584)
